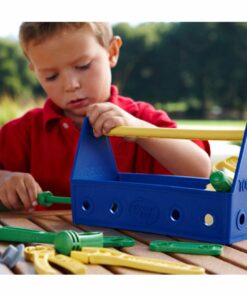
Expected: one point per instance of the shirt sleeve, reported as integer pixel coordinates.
(14, 146)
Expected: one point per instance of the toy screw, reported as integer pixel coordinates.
(220, 181)
(46, 199)
(68, 240)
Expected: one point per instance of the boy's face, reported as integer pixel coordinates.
(74, 70)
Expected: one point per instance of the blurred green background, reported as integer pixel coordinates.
(193, 70)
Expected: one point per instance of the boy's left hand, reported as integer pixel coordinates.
(105, 116)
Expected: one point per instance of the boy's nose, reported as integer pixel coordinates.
(71, 84)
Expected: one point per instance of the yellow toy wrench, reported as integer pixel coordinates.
(93, 255)
(41, 255)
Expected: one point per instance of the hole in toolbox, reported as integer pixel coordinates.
(208, 220)
(86, 205)
(114, 208)
(241, 219)
(175, 215)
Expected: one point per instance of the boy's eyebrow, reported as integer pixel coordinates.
(83, 57)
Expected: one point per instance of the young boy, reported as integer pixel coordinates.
(72, 62)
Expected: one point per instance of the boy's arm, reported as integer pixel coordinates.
(18, 190)
(181, 157)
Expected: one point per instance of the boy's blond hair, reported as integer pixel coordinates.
(38, 32)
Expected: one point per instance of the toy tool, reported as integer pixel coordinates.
(66, 240)
(176, 133)
(113, 257)
(230, 163)
(39, 256)
(184, 247)
(171, 205)
(46, 199)
(42, 255)
(118, 241)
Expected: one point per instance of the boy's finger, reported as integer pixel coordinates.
(13, 200)
(23, 194)
(95, 110)
(33, 190)
(4, 200)
(105, 121)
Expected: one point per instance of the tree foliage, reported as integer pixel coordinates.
(201, 64)
(15, 78)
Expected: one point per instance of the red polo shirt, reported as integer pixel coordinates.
(43, 143)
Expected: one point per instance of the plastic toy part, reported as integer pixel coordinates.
(47, 199)
(8, 233)
(42, 255)
(220, 181)
(187, 248)
(118, 241)
(229, 163)
(39, 256)
(68, 263)
(176, 133)
(64, 241)
(68, 240)
(171, 205)
(12, 255)
(15, 234)
(113, 257)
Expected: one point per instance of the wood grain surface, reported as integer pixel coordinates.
(232, 261)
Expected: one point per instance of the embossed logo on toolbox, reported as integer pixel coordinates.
(144, 212)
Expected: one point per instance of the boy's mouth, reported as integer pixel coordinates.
(78, 102)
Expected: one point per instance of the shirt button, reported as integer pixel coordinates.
(65, 125)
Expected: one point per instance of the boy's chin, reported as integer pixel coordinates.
(75, 116)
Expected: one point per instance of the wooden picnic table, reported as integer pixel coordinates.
(232, 261)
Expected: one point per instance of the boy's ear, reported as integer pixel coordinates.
(114, 50)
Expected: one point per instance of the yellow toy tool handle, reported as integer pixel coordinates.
(229, 163)
(177, 133)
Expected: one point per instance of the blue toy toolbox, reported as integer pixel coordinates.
(169, 205)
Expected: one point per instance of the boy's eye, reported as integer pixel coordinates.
(84, 67)
(51, 77)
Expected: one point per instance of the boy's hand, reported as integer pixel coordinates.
(105, 116)
(18, 190)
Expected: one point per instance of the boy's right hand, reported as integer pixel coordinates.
(18, 191)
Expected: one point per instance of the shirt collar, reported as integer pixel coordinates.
(53, 113)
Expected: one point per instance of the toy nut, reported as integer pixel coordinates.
(44, 197)
(220, 181)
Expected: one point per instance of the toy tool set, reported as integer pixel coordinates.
(73, 250)
(170, 205)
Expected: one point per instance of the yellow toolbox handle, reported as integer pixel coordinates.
(177, 133)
